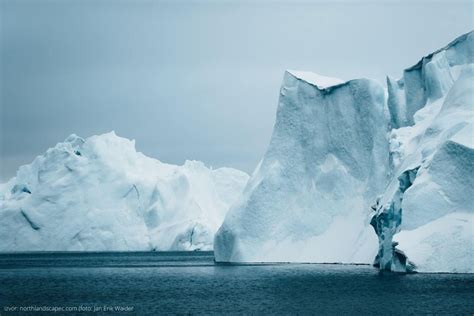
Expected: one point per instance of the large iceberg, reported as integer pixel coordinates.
(100, 194)
(307, 201)
(344, 155)
(424, 219)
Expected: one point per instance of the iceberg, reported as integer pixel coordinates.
(345, 156)
(100, 194)
(307, 200)
(424, 219)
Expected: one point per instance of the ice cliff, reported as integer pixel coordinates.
(307, 200)
(424, 218)
(344, 157)
(100, 194)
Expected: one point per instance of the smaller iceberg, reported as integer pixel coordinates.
(100, 194)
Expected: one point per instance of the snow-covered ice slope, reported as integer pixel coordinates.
(100, 194)
(428, 208)
(309, 197)
(333, 165)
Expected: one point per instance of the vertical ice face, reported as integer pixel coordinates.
(427, 81)
(424, 219)
(100, 194)
(309, 198)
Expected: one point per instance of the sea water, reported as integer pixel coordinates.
(154, 283)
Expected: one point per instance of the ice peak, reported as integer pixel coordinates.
(322, 82)
(194, 164)
(109, 135)
(74, 140)
(112, 139)
(465, 38)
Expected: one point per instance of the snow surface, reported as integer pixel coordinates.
(100, 194)
(322, 82)
(339, 151)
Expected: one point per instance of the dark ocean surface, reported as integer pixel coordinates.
(156, 283)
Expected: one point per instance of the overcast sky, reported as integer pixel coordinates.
(191, 79)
